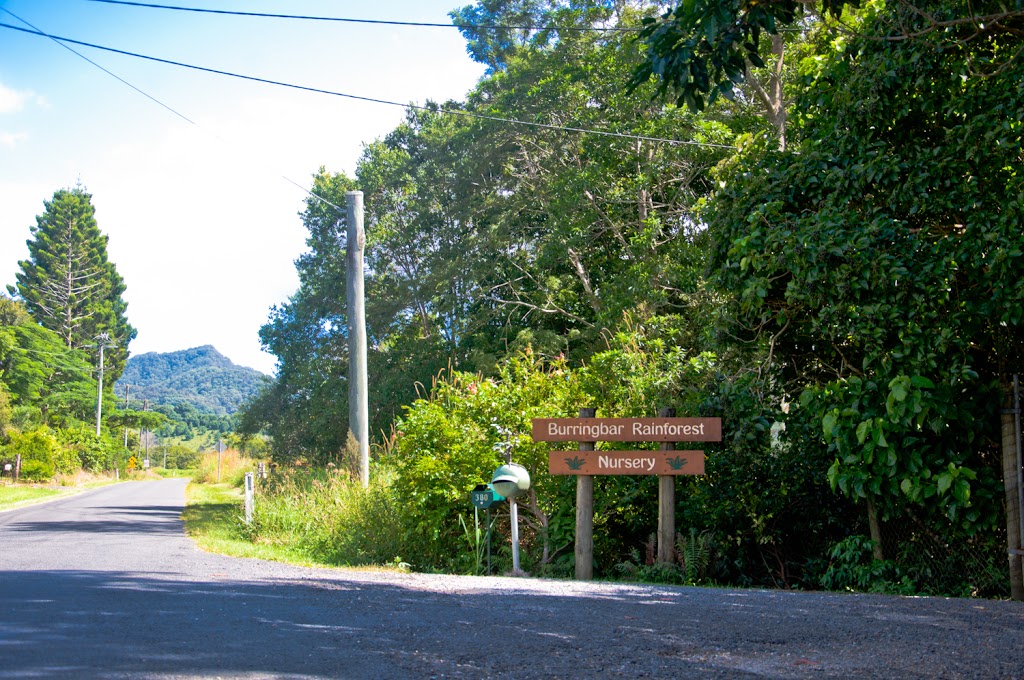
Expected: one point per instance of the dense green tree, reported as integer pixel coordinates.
(6, 409)
(589, 226)
(68, 284)
(879, 262)
(43, 375)
(485, 237)
(697, 51)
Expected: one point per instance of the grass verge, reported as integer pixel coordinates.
(16, 496)
(171, 472)
(213, 519)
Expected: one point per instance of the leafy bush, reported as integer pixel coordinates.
(854, 569)
(36, 445)
(455, 439)
(182, 458)
(36, 471)
(65, 460)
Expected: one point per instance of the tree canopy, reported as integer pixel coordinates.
(68, 284)
(484, 237)
(827, 257)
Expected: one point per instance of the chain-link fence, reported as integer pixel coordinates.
(938, 559)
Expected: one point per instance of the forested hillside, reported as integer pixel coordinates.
(201, 377)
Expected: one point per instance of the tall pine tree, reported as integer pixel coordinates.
(68, 284)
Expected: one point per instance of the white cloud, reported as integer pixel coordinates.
(12, 101)
(12, 139)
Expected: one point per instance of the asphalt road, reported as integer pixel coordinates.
(106, 585)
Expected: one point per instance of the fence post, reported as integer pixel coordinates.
(1011, 455)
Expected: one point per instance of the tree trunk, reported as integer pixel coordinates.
(771, 93)
(876, 530)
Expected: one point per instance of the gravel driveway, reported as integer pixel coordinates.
(106, 585)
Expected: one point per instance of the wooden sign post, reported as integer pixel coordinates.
(585, 514)
(587, 462)
(666, 502)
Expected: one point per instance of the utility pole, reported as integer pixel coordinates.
(220, 453)
(127, 389)
(145, 407)
(358, 401)
(101, 341)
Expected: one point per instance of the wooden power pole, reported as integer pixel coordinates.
(101, 341)
(358, 401)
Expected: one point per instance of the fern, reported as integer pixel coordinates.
(694, 554)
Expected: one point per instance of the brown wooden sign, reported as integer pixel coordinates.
(627, 430)
(626, 462)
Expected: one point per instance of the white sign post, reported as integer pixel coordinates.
(249, 497)
(220, 452)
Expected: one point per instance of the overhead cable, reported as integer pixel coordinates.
(109, 73)
(143, 93)
(384, 22)
(304, 88)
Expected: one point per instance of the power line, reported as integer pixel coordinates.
(109, 73)
(143, 93)
(384, 22)
(317, 90)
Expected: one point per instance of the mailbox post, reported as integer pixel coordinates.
(512, 480)
(484, 496)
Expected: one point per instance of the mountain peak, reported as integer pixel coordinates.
(200, 376)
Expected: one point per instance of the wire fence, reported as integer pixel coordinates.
(937, 559)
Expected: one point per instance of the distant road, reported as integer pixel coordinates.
(105, 585)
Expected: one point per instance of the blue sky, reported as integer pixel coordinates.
(203, 226)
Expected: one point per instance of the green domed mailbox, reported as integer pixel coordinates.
(511, 480)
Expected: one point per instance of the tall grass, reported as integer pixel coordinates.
(329, 517)
(232, 467)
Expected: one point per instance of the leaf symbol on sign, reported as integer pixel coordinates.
(575, 463)
(676, 463)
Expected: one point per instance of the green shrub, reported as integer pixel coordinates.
(853, 568)
(36, 471)
(36, 445)
(94, 453)
(182, 458)
(453, 440)
(65, 460)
